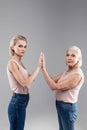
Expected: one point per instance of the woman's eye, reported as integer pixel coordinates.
(25, 46)
(73, 55)
(20, 46)
(67, 55)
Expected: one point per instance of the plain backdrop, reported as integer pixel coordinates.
(50, 26)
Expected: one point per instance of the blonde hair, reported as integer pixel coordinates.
(14, 41)
(78, 50)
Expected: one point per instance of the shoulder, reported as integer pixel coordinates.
(79, 71)
(12, 65)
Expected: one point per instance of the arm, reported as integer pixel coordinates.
(13, 68)
(69, 82)
(56, 78)
(66, 84)
(50, 81)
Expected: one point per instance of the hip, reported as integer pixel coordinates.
(19, 99)
(66, 106)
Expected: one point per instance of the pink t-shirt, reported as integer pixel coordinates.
(14, 85)
(70, 95)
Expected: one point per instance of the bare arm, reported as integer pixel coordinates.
(50, 81)
(66, 84)
(69, 83)
(56, 78)
(13, 68)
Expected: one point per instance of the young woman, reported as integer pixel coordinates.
(67, 86)
(20, 82)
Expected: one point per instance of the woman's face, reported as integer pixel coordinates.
(72, 58)
(20, 48)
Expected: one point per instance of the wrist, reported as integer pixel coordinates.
(38, 67)
(43, 69)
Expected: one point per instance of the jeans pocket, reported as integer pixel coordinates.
(73, 115)
(22, 102)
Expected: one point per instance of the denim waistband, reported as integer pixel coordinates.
(20, 95)
(57, 101)
(20, 99)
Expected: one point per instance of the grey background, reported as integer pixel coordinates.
(50, 26)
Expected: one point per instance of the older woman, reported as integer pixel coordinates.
(67, 86)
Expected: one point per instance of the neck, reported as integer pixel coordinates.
(17, 58)
(72, 68)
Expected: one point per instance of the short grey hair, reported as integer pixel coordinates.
(78, 50)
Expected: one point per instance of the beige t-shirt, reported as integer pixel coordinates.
(70, 95)
(14, 85)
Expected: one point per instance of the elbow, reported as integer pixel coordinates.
(62, 89)
(23, 83)
(27, 83)
(53, 89)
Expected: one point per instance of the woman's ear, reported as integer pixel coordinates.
(12, 48)
(78, 60)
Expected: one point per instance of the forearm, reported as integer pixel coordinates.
(49, 80)
(32, 77)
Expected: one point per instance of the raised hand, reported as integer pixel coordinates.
(43, 64)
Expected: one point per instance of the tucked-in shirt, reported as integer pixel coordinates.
(15, 86)
(70, 95)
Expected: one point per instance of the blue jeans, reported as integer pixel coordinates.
(67, 114)
(17, 111)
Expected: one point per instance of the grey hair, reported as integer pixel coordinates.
(78, 50)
